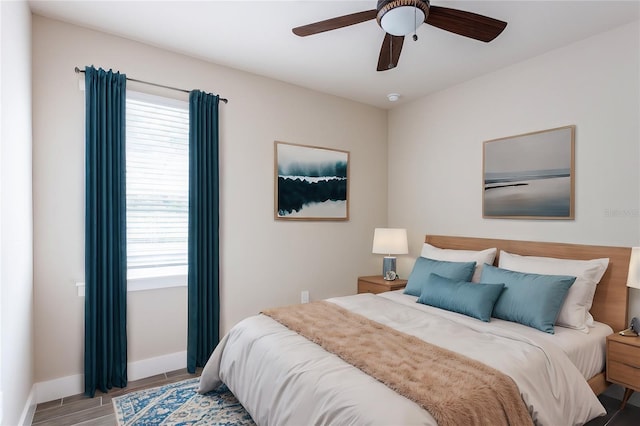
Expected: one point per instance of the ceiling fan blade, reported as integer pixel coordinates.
(335, 23)
(466, 24)
(390, 52)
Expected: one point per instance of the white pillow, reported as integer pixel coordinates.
(575, 310)
(451, 255)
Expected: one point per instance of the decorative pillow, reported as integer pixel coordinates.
(480, 257)
(459, 271)
(472, 299)
(530, 299)
(575, 311)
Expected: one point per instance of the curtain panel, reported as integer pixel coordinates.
(105, 357)
(204, 254)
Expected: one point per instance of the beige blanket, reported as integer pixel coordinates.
(456, 390)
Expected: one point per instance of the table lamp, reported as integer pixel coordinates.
(389, 241)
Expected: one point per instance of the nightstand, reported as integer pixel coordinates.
(623, 363)
(376, 284)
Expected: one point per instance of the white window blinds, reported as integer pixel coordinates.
(157, 179)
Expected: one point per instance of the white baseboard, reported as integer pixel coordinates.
(59, 388)
(29, 408)
(73, 385)
(150, 367)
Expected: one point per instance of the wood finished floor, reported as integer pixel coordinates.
(98, 411)
(630, 416)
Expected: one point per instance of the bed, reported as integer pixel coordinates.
(283, 378)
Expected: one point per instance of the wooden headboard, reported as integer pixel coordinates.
(610, 304)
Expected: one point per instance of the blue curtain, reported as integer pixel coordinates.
(203, 279)
(105, 355)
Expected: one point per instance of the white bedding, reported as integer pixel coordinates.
(283, 379)
(585, 350)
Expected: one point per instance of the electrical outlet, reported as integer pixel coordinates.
(304, 296)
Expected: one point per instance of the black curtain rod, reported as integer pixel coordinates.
(78, 70)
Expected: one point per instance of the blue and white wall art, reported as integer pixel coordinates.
(311, 183)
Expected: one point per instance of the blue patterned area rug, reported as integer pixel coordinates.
(180, 404)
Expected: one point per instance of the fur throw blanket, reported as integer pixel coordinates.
(456, 390)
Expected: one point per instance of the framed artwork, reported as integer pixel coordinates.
(530, 176)
(311, 183)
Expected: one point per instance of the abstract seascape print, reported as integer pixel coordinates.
(311, 182)
(530, 176)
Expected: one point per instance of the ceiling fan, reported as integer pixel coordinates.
(399, 18)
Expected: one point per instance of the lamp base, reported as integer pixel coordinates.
(389, 265)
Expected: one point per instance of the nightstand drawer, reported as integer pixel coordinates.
(376, 284)
(623, 353)
(623, 374)
(365, 287)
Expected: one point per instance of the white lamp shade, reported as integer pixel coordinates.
(633, 279)
(390, 241)
(402, 20)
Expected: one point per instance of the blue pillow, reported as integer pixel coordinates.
(530, 299)
(459, 271)
(474, 300)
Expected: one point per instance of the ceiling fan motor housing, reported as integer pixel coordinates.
(385, 6)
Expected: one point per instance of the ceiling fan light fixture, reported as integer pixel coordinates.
(402, 17)
(402, 20)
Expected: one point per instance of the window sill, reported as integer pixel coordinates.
(150, 280)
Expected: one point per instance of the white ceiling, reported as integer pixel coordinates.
(256, 36)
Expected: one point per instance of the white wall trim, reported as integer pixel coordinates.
(73, 385)
(59, 388)
(158, 365)
(29, 408)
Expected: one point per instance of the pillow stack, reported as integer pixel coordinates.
(480, 257)
(575, 311)
(458, 271)
(538, 292)
(529, 299)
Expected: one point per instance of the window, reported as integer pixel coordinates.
(157, 179)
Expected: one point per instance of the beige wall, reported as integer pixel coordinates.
(16, 238)
(435, 146)
(263, 262)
